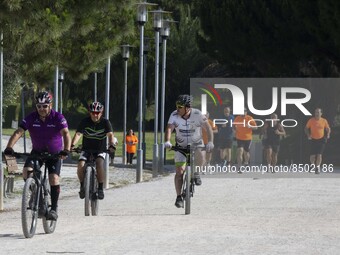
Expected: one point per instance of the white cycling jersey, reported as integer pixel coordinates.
(188, 131)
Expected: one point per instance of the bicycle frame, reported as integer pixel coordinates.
(36, 185)
(90, 185)
(188, 187)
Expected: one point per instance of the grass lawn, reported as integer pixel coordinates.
(149, 141)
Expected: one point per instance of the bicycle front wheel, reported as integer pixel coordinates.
(29, 211)
(187, 190)
(94, 198)
(49, 225)
(87, 186)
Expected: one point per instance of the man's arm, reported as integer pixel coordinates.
(208, 128)
(307, 132)
(111, 136)
(15, 137)
(67, 138)
(328, 132)
(281, 131)
(168, 131)
(76, 138)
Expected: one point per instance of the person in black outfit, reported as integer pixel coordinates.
(95, 129)
(272, 132)
(224, 142)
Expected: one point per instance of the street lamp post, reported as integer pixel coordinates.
(126, 55)
(157, 25)
(23, 92)
(56, 97)
(61, 79)
(142, 17)
(107, 114)
(1, 97)
(95, 87)
(146, 51)
(165, 32)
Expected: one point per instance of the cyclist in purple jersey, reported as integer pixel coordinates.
(94, 129)
(49, 133)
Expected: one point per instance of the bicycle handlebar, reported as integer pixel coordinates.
(79, 150)
(188, 148)
(39, 155)
(180, 149)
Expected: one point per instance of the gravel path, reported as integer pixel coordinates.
(248, 215)
(229, 216)
(119, 177)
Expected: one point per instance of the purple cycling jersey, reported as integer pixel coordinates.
(45, 135)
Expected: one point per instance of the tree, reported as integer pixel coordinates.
(79, 37)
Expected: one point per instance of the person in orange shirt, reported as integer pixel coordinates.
(318, 132)
(244, 126)
(131, 141)
(214, 128)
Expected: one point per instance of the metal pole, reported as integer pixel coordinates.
(56, 82)
(61, 97)
(144, 106)
(95, 87)
(125, 112)
(155, 145)
(107, 105)
(1, 97)
(23, 113)
(139, 170)
(161, 149)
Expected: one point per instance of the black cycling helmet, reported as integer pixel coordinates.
(43, 98)
(185, 100)
(96, 107)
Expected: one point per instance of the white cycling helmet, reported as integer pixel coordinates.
(96, 107)
(43, 98)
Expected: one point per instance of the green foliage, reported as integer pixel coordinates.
(78, 37)
(269, 38)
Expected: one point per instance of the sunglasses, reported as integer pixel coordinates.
(179, 106)
(95, 113)
(39, 106)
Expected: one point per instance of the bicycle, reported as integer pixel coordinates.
(91, 203)
(188, 187)
(36, 196)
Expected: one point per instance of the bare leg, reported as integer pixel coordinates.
(274, 158)
(80, 170)
(228, 154)
(100, 170)
(246, 155)
(179, 180)
(312, 159)
(269, 156)
(318, 159)
(239, 156)
(27, 172)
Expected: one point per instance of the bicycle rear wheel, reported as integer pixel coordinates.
(94, 197)
(187, 186)
(87, 185)
(49, 225)
(29, 212)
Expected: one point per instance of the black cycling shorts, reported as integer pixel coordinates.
(53, 166)
(245, 144)
(317, 146)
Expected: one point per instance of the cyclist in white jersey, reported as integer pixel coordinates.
(188, 123)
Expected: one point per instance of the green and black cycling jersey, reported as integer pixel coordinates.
(94, 133)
